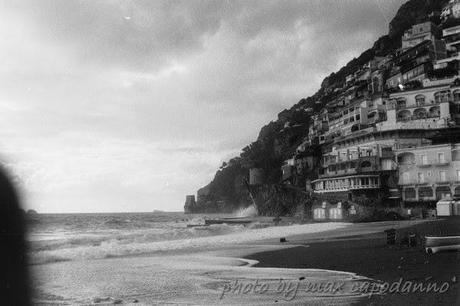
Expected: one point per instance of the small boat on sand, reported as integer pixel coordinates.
(435, 244)
(229, 221)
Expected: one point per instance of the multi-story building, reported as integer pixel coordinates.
(451, 36)
(451, 10)
(423, 108)
(364, 163)
(317, 128)
(389, 113)
(415, 63)
(419, 33)
(428, 173)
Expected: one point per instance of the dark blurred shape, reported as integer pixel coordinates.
(14, 278)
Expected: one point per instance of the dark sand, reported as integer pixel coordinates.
(370, 256)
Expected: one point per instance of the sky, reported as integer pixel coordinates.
(125, 106)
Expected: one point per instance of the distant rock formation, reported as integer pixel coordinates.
(31, 212)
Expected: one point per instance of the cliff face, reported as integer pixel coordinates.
(278, 140)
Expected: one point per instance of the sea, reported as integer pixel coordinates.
(61, 237)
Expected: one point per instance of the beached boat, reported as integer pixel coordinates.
(229, 221)
(435, 244)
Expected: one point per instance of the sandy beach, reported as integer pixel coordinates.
(344, 255)
(368, 254)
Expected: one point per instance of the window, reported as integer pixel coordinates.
(442, 192)
(441, 158)
(420, 100)
(442, 96)
(421, 177)
(442, 176)
(409, 193)
(358, 117)
(424, 159)
(405, 178)
(425, 192)
(456, 95)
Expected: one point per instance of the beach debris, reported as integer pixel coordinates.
(101, 299)
(282, 239)
(105, 300)
(454, 279)
(412, 240)
(391, 236)
(399, 267)
(402, 258)
(426, 262)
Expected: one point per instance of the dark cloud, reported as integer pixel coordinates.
(134, 94)
(149, 34)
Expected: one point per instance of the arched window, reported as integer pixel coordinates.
(403, 115)
(420, 100)
(366, 164)
(401, 103)
(442, 96)
(456, 155)
(406, 158)
(420, 113)
(434, 112)
(456, 95)
(457, 191)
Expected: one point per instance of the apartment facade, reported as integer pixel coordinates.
(381, 133)
(429, 173)
(419, 33)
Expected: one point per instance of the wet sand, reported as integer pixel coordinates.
(370, 256)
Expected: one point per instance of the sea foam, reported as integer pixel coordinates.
(139, 243)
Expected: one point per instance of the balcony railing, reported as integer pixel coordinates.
(432, 163)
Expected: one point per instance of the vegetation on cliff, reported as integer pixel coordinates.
(278, 140)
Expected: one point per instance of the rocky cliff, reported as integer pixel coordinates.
(278, 140)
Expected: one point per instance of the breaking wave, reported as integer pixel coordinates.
(111, 239)
(250, 211)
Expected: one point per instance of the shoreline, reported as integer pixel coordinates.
(369, 255)
(200, 272)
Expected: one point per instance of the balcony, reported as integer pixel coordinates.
(406, 184)
(442, 182)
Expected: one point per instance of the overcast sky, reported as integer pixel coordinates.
(113, 106)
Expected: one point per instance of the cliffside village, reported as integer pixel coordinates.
(391, 135)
